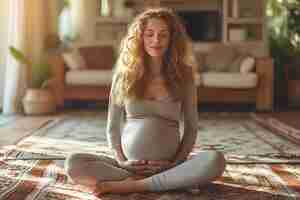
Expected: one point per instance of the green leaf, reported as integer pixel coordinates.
(18, 55)
(66, 3)
(40, 73)
(40, 69)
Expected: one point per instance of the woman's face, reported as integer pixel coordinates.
(156, 37)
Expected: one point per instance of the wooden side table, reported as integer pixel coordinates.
(265, 90)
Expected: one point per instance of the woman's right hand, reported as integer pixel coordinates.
(145, 167)
(134, 165)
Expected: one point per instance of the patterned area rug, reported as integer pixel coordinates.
(234, 133)
(40, 179)
(239, 133)
(37, 172)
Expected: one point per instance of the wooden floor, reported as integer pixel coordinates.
(288, 117)
(15, 128)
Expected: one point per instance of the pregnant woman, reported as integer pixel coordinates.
(153, 99)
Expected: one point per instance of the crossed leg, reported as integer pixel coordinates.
(105, 175)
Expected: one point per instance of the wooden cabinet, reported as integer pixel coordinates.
(240, 22)
(294, 92)
(292, 84)
(244, 21)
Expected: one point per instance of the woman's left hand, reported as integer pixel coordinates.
(155, 166)
(160, 165)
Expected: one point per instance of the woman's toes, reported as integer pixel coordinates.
(102, 188)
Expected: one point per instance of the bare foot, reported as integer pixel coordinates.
(126, 186)
(102, 188)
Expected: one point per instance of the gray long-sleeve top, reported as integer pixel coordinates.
(183, 112)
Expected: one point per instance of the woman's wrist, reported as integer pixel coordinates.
(119, 156)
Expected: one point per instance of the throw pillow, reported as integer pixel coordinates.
(247, 65)
(74, 60)
(235, 65)
(220, 58)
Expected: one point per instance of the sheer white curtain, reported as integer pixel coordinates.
(15, 81)
(30, 21)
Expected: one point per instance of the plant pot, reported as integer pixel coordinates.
(38, 101)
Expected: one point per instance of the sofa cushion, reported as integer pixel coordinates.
(229, 80)
(247, 65)
(219, 58)
(89, 77)
(236, 64)
(74, 60)
(98, 57)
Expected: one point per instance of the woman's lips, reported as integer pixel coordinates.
(156, 48)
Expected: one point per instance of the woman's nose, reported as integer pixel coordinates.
(156, 38)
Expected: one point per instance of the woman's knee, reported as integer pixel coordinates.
(217, 163)
(72, 162)
(74, 167)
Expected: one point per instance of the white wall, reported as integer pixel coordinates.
(3, 42)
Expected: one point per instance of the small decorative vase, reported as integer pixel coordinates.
(38, 101)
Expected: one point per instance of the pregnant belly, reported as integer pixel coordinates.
(150, 139)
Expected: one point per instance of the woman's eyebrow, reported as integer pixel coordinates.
(152, 30)
(164, 30)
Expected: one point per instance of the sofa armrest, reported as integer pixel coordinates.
(265, 89)
(57, 68)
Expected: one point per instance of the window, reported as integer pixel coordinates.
(106, 8)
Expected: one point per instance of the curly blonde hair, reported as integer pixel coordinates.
(130, 77)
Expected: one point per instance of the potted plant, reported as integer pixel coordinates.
(284, 40)
(38, 98)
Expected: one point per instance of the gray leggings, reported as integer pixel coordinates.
(203, 168)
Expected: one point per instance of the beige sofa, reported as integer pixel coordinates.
(224, 76)
(218, 77)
